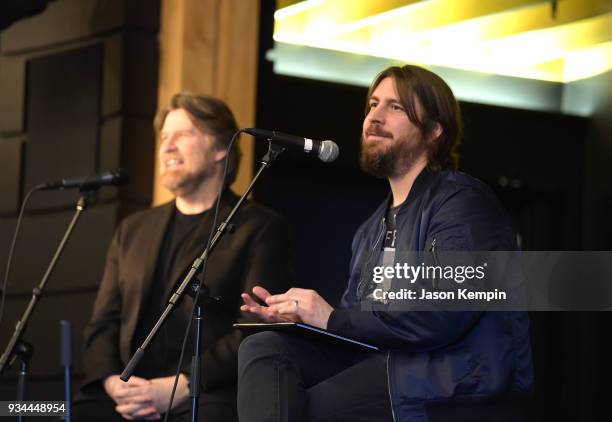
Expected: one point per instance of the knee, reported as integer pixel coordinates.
(264, 345)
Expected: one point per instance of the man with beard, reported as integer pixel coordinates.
(150, 253)
(431, 362)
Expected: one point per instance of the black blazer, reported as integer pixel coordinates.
(255, 253)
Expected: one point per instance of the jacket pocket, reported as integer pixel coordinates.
(457, 372)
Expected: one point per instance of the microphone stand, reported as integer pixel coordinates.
(66, 352)
(204, 298)
(24, 352)
(17, 348)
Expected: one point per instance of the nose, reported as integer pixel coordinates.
(167, 144)
(375, 116)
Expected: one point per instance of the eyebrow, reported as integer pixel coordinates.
(180, 131)
(392, 101)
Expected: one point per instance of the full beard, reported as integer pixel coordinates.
(377, 161)
(396, 158)
(181, 182)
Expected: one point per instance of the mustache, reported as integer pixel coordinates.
(377, 131)
(171, 156)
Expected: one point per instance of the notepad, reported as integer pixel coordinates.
(299, 328)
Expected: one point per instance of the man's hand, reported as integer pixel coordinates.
(294, 305)
(264, 312)
(144, 399)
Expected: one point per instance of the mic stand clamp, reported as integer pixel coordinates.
(23, 352)
(188, 285)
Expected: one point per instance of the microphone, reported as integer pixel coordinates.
(327, 151)
(88, 183)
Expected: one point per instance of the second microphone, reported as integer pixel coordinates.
(327, 151)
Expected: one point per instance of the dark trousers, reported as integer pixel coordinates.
(282, 377)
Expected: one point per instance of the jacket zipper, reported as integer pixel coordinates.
(389, 385)
(370, 255)
(432, 249)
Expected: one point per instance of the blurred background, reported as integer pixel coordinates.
(80, 81)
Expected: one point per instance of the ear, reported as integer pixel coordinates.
(436, 132)
(220, 154)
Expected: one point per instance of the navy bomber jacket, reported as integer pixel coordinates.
(441, 355)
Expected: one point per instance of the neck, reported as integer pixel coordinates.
(401, 184)
(202, 198)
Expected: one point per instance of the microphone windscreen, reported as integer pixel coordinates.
(329, 151)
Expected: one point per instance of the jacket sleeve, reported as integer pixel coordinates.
(101, 337)
(467, 219)
(267, 265)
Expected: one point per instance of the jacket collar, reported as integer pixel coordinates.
(423, 181)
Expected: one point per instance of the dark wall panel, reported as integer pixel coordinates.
(130, 74)
(10, 183)
(67, 21)
(535, 163)
(82, 261)
(63, 104)
(138, 158)
(12, 75)
(141, 61)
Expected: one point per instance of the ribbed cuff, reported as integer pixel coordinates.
(339, 322)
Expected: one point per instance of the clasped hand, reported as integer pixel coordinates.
(296, 305)
(145, 399)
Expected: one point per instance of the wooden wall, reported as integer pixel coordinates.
(211, 47)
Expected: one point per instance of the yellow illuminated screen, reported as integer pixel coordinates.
(520, 38)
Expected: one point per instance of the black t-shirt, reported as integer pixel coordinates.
(162, 354)
(390, 230)
(387, 250)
